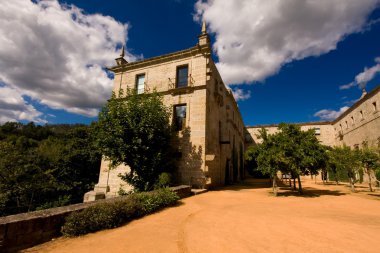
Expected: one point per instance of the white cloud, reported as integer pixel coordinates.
(56, 54)
(364, 77)
(241, 95)
(347, 86)
(13, 107)
(327, 114)
(368, 74)
(255, 38)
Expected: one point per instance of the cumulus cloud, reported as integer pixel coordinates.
(368, 74)
(255, 38)
(364, 77)
(13, 107)
(327, 114)
(241, 95)
(56, 54)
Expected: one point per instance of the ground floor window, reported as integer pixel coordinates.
(179, 118)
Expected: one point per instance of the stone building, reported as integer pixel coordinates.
(324, 131)
(357, 127)
(205, 114)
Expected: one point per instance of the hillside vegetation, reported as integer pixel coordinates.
(45, 166)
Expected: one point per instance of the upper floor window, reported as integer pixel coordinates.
(352, 120)
(140, 83)
(179, 117)
(361, 115)
(374, 105)
(182, 76)
(317, 131)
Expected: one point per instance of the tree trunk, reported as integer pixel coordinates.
(369, 179)
(294, 184)
(290, 182)
(299, 185)
(352, 184)
(274, 186)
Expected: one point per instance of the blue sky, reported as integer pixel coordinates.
(287, 62)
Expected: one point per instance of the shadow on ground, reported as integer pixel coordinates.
(309, 192)
(284, 189)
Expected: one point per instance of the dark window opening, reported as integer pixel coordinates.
(182, 76)
(179, 117)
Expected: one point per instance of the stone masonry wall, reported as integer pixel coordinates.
(326, 135)
(25, 230)
(361, 125)
(161, 76)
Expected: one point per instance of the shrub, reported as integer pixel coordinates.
(117, 212)
(164, 180)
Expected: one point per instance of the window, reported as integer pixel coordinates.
(179, 118)
(374, 105)
(317, 131)
(346, 124)
(340, 126)
(352, 120)
(182, 76)
(140, 83)
(361, 115)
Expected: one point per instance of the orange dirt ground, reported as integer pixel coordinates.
(246, 219)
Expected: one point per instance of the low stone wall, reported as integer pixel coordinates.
(24, 230)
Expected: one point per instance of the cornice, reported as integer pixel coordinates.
(358, 103)
(204, 49)
(299, 124)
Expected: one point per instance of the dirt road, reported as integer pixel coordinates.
(246, 219)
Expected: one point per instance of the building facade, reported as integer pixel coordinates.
(204, 113)
(357, 127)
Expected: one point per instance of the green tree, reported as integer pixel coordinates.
(370, 160)
(45, 166)
(343, 163)
(304, 154)
(22, 180)
(270, 157)
(290, 151)
(134, 129)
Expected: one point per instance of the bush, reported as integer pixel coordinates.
(117, 212)
(164, 180)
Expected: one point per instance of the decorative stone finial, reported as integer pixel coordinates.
(121, 61)
(204, 31)
(122, 52)
(203, 39)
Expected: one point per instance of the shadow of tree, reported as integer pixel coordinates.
(189, 160)
(309, 192)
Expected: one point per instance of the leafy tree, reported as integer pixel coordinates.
(45, 166)
(303, 152)
(370, 160)
(290, 151)
(22, 181)
(343, 163)
(270, 157)
(133, 129)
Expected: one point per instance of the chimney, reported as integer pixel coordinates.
(364, 92)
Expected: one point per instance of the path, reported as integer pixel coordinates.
(242, 219)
